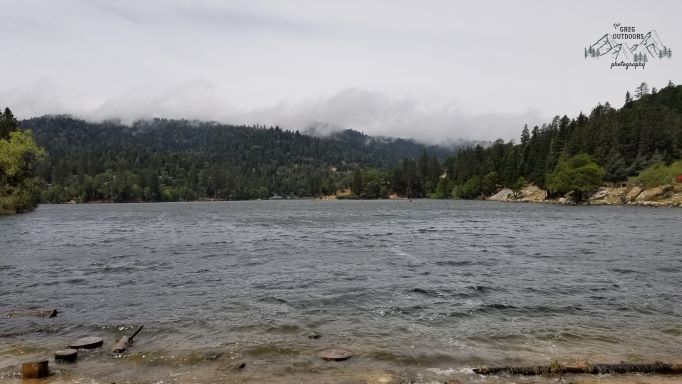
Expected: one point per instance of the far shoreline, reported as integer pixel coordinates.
(317, 199)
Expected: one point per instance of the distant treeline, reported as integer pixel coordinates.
(180, 160)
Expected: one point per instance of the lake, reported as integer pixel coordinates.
(419, 291)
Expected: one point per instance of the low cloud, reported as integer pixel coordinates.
(373, 113)
(379, 114)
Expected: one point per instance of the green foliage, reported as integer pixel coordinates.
(518, 184)
(615, 168)
(471, 189)
(178, 160)
(18, 156)
(370, 184)
(623, 141)
(579, 174)
(443, 189)
(489, 183)
(659, 174)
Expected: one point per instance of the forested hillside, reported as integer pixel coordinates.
(170, 160)
(175, 160)
(645, 131)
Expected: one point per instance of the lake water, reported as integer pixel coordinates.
(419, 291)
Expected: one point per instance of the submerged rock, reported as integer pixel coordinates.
(87, 343)
(67, 355)
(335, 354)
(46, 312)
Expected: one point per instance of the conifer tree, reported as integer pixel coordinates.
(642, 90)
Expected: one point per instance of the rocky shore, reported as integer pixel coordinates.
(661, 196)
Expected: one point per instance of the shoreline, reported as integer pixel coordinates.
(549, 201)
(669, 196)
(99, 367)
(296, 364)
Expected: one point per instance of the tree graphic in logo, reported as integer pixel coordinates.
(649, 47)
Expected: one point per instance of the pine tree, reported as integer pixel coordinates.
(8, 123)
(628, 98)
(357, 186)
(525, 135)
(642, 90)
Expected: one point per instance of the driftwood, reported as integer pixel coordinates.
(35, 369)
(122, 344)
(46, 312)
(594, 369)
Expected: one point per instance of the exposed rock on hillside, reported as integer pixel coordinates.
(530, 193)
(666, 195)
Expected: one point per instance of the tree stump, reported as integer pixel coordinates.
(87, 343)
(35, 370)
(67, 355)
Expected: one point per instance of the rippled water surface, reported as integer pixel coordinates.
(419, 291)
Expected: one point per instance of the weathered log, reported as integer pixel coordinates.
(593, 369)
(68, 355)
(35, 369)
(87, 343)
(45, 312)
(122, 344)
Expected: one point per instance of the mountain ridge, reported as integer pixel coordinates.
(166, 159)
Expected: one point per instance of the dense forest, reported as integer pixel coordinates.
(613, 144)
(180, 160)
(567, 155)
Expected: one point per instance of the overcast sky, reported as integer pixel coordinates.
(432, 70)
